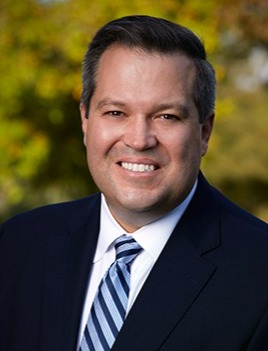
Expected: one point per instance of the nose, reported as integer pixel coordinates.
(139, 134)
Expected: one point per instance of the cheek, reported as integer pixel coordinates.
(93, 146)
(186, 148)
(177, 143)
(94, 135)
(99, 140)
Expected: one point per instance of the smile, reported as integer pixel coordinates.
(138, 167)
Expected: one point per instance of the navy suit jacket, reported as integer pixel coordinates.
(208, 291)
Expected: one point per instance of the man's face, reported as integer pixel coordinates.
(143, 137)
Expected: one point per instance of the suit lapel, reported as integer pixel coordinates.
(82, 250)
(176, 280)
(69, 261)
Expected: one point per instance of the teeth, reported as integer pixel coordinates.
(135, 167)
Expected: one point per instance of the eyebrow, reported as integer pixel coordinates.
(181, 108)
(108, 102)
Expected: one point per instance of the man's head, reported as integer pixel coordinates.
(152, 35)
(145, 120)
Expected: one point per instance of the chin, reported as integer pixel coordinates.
(141, 203)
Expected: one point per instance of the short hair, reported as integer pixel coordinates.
(153, 35)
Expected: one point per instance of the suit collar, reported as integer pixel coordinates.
(201, 221)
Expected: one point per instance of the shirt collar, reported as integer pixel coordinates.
(109, 231)
(145, 236)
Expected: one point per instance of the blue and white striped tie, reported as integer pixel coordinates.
(108, 311)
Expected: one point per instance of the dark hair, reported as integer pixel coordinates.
(153, 35)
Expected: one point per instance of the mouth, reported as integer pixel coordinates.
(138, 167)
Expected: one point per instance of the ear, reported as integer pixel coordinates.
(84, 121)
(207, 127)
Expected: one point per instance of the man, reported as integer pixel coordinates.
(199, 281)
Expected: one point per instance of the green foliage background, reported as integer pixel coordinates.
(42, 44)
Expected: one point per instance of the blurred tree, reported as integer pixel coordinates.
(238, 158)
(42, 44)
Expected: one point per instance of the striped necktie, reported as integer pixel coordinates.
(108, 310)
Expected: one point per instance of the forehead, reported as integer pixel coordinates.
(122, 62)
(118, 50)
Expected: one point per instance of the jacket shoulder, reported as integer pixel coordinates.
(214, 198)
(53, 216)
(232, 211)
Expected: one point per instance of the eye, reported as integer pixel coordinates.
(170, 117)
(115, 113)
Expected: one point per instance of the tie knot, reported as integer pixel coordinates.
(126, 247)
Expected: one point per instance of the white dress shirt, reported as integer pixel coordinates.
(152, 238)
